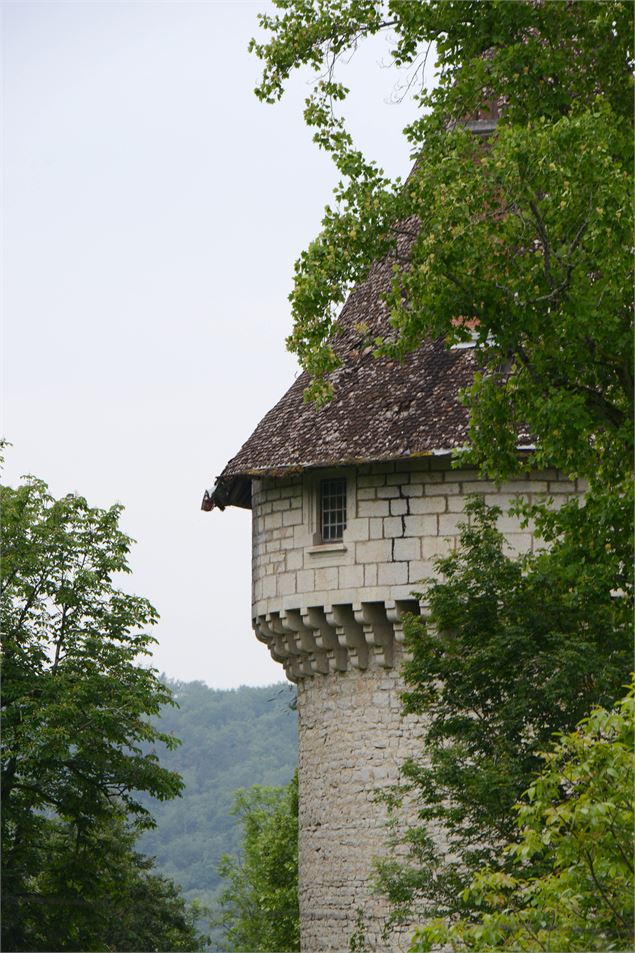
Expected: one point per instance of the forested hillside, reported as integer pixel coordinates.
(230, 739)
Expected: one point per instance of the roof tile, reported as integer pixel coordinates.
(381, 409)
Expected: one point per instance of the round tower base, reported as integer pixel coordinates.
(352, 743)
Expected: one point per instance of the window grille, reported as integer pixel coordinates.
(332, 509)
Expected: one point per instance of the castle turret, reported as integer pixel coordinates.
(352, 503)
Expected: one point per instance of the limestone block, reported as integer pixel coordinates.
(357, 530)
(456, 504)
(430, 478)
(326, 579)
(392, 574)
(283, 504)
(387, 492)
(273, 521)
(286, 583)
(421, 525)
(524, 486)
(374, 479)
(376, 528)
(449, 524)
(394, 526)
(373, 551)
(429, 504)
(306, 580)
(459, 476)
(373, 508)
(433, 546)
(351, 577)
(480, 486)
(370, 574)
(380, 700)
(268, 586)
(419, 571)
(557, 501)
(409, 548)
(292, 518)
(295, 559)
(399, 507)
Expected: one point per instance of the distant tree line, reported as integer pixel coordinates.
(230, 740)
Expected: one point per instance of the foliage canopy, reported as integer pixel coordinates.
(260, 899)
(75, 717)
(513, 651)
(527, 234)
(577, 816)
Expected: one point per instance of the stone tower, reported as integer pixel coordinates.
(351, 505)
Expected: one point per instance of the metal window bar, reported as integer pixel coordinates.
(332, 509)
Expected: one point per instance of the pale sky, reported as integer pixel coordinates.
(152, 212)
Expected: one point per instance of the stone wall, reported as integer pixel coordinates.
(352, 742)
(400, 517)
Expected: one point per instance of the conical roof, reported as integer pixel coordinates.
(381, 409)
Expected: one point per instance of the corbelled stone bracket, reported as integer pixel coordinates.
(318, 640)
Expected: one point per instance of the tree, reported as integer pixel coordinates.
(524, 237)
(577, 817)
(75, 714)
(510, 654)
(101, 894)
(260, 901)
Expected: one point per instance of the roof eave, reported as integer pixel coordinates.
(235, 489)
(228, 491)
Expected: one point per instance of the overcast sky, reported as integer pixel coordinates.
(152, 211)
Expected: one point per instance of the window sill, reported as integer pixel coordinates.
(326, 548)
